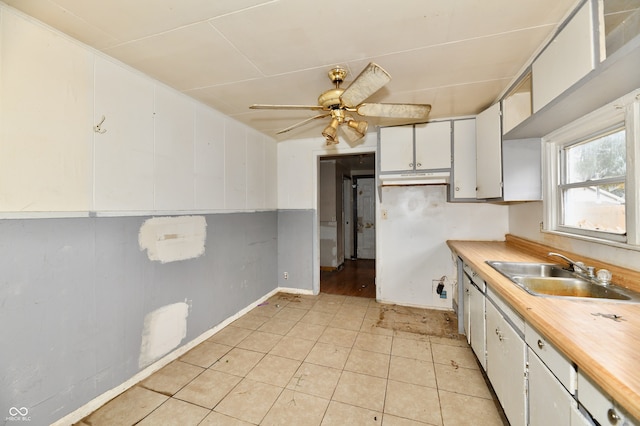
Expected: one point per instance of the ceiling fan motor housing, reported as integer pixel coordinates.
(331, 98)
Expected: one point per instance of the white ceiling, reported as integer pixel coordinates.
(457, 55)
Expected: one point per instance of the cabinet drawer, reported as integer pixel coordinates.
(560, 366)
(511, 316)
(599, 404)
(479, 282)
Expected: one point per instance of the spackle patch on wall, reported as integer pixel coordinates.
(163, 331)
(169, 239)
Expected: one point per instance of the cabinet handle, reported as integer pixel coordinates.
(497, 331)
(540, 344)
(613, 416)
(419, 165)
(457, 188)
(410, 165)
(500, 337)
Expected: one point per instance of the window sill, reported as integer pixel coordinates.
(593, 240)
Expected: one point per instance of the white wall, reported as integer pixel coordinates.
(298, 174)
(412, 241)
(412, 250)
(156, 151)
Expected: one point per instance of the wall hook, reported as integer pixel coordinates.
(98, 127)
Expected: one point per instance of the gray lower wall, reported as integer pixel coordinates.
(296, 248)
(74, 294)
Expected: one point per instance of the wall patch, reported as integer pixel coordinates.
(169, 239)
(163, 331)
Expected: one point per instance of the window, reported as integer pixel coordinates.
(592, 187)
(589, 175)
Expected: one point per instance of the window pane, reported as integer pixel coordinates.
(595, 208)
(600, 158)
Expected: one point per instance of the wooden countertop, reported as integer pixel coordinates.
(606, 350)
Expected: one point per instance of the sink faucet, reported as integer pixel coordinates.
(589, 270)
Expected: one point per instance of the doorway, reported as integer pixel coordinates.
(347, 211)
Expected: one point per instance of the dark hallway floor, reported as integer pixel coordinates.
(357, 278)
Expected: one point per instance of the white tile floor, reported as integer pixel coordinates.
(314, 360)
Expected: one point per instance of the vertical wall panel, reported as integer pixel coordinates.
(256, 182)
(174, 165)
(209, 159)
(124, 153)
(46, 98)
(235, 161)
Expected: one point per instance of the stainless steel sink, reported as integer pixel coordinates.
(549, 279)
(571, 287)
(533, 269)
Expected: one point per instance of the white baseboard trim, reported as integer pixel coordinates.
(100, 400)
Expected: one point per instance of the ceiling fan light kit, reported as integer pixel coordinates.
(337, 102)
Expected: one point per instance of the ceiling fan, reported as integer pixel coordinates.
(339, 103)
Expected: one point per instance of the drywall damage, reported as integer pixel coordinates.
(170, 239)
(162, 332)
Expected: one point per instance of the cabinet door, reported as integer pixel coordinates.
(477, 320)
(600, 405)
(433, 145)
(123, 175)
(489, 153)
(506, 365)
(396, 148)
(46, 82)
(549, 401)
(568, 58)
(522, 170)
(466, 312)
(464, 159)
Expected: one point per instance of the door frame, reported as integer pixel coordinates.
(318, 155)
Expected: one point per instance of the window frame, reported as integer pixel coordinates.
(622, 113)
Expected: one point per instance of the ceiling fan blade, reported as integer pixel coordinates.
(414, 111)
(369, 81)
(263, 106)
(302, 123)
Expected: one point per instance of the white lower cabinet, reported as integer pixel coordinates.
(476, 318)
(536, 384)
(549, 402)
(466, 307)
(506, 365)
(600, 405)
(473, 316)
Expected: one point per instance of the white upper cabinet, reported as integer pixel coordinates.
(464, 159)
(568, 58)
(123, 148)
(489, 153)
(46, 102)
(433, 145)
(396, 148)
(413, 148)
(174, 150)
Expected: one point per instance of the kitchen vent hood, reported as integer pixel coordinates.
(415, 178)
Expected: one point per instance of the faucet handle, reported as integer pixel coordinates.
(604, 276)
(591, 271)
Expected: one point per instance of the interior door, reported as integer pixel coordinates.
(347, 217)
(366, 226)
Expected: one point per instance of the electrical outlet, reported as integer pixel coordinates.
(286, 275)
